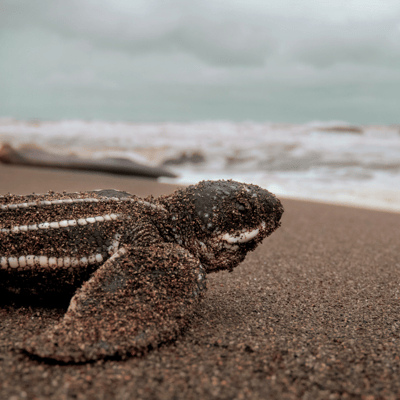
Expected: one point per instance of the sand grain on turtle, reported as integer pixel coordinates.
(135, 268)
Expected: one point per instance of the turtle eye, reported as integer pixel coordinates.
(241, 207)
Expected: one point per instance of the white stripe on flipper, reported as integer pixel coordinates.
(83, 261)
(147, 204)
(44, 203)
(61, 224)
(3, 262)
(114, 244)
(13, 262)
(52, 262)
(43, 261)
(31, 261)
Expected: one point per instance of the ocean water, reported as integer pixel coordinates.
(324, 161)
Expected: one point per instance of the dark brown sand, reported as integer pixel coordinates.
(26, 180)
(313, 313)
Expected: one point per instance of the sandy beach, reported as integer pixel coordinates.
(313, 313)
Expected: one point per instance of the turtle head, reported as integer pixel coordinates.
(231, 219)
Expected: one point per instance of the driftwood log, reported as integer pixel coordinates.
(36, 157)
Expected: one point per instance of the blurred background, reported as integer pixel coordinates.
(299, 97)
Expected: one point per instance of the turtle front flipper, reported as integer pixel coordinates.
(140, 297)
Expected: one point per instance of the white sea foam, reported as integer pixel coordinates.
(310, 161)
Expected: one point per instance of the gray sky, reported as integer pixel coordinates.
(183, 60)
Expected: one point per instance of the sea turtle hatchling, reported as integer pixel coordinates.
(135, 268)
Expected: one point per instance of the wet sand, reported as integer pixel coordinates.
(313, 313)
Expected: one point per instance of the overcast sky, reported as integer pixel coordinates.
(184, 60)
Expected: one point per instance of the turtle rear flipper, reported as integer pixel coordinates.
(140, 297)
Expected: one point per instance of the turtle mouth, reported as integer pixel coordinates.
(243, 236)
